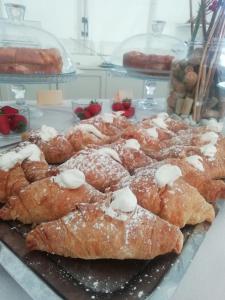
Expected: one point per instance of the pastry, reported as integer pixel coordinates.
(30, 61)
(102, 167)
(115, 230)
(163, 192)
(147, 63)
(193, 173)
(110, 124)
(149, 138)
(163, 121)
(56, 147)
(130, 154)
(50, 198)
(20, 166)
(86, 135)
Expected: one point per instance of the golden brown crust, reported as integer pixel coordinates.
(142, 236)
(30, 60)
(56, 151)
(11, 182)
(45, 200)
(101, 170)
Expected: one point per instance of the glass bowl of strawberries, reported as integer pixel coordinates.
(125, 107)
(13, 120)
(85, 108)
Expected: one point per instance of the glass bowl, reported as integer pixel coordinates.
(83, 109)
(14, 120)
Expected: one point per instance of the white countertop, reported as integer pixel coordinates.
(204, 279)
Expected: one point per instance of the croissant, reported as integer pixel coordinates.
(56, 148)
(213, 157)
(102, 167)
(178, 202)
(211, 190)
(163, 121)
(85, 135)
(109, 124)
(149, 138)
(89, 233)
(130, 154)
(19, 166)
(11, 182)
(46, 200)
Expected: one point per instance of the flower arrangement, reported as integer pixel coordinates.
(195, 90)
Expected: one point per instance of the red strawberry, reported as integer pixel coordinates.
(87, 114)
(18, 123)
(129, 112)
(4, 125)
(78, 110)
(94, 108)
(126, 103)
(117, 106)
(8, 110)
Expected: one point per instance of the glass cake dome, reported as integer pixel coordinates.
(28, 50)
(149, 54)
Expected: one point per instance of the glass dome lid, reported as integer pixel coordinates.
(149, 54)
(30, 50)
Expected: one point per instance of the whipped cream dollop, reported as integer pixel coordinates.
(210, 137)
(152, 132)
(209, 151)
(89, 128)
(124, 201)
(47, 133)
(108, 118)
(167, 174)
(213, 124)
(10, 159)
(196, 162)
(112, 153)
(163, 115)
(71, 179)
(159, 121)
(132, 144)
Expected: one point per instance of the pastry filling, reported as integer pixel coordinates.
(48, 133)
(159, 122)
(10, 159)
(112, 153)
(124, 201)
(210, 137)
(108, 118)
(152, 132)
(209, 151)
(167, 174)
(196, 162)
(90, 129)
(132, 144)
(71, 179)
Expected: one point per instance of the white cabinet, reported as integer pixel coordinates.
(90, 83)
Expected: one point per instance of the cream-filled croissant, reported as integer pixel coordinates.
(163, 121)
(102, 167)
(20, 166)
(56, 147)
(85, 135)
(117, 230)
(50, 198)
(109, 124)
(130, 154)
(163, 191)
(193, 173)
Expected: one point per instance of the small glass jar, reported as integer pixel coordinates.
(197, 88)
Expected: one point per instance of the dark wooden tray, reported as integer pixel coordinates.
(86, 279)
